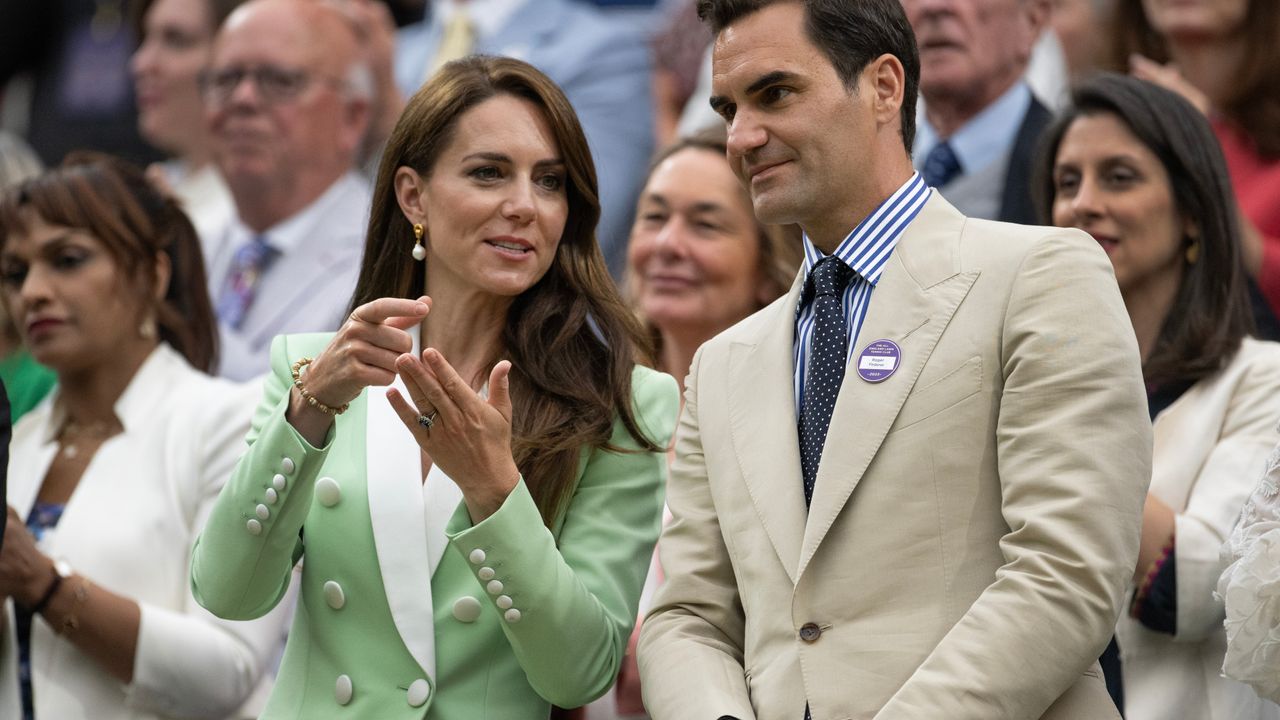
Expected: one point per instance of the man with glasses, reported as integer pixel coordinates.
(287, 98)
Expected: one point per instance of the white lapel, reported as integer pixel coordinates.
(406, 518)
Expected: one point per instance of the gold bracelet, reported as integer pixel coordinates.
(311, 399)
(71, 621)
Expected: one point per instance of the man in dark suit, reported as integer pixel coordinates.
(980, 122)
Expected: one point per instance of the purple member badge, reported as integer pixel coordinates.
(879, 360)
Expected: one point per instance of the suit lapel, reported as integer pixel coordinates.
(762, 405)
(917, 295)
(397, 514)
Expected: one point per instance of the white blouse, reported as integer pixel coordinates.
(129, 527)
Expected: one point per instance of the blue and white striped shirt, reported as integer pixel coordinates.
(866, 250)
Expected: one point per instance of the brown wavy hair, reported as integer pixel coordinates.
(1253, 102)
(112, 200)
(570, 338)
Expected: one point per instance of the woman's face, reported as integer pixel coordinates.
(496, 201)
(694, 250)
(177, 45)
(67, 298)
(1197, 19)
(1109, 184)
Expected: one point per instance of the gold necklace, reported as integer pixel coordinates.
(73, 432)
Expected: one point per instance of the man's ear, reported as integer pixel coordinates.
(411, 194)
(887, 80)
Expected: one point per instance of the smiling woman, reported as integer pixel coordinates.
(513, 471)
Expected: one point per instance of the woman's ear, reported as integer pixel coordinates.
(411, 192)
(164, 272)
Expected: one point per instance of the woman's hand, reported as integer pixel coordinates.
(1169, 78)
(469, 437)
(362, 353)
(25, 572)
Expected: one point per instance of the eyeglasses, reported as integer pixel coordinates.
(274, 84)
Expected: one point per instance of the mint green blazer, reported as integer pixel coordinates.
(494, 620)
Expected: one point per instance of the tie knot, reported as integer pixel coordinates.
(830, 276)
(941, 165)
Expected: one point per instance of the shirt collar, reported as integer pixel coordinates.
(146, 390)
(489, 16)
(868, 247)
(293, 231)
(986, 137)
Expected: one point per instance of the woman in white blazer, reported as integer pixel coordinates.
(112, 476)
(1137, 167)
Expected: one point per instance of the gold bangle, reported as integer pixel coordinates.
(308, 397)
(71, 621)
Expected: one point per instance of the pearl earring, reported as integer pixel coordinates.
(419, 252)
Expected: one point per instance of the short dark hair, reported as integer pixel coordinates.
(850, 33)
(1211, 312)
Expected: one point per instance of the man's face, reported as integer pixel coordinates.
(276, 105)
(798, 138)
(971, 49)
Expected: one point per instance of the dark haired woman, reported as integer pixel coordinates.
(1223, 56)
(475, 537)
(1136, 166)
(115, 471)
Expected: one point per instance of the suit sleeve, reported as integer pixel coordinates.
(573, 605)
(1223, 485)
(1074, 457)
(242, 561)
(690, 651)
(188, 662)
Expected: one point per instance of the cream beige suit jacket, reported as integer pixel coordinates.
(976, 515)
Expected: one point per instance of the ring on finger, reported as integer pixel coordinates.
(428, 420)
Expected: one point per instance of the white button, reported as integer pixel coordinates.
(286, 466)
(272, 496)
(494, 587)
(342, 690)
(504, 601)
(263, 511)
(477, 556)
(418, 692)
(485, 573)
(466, 609)
(333, 595)
(512, 615)
(279, 482)
(253, 526)
(328, 492)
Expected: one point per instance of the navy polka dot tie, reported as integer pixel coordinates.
(827, 358)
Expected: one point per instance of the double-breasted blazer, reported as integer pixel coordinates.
(407, 609)
(976, 514)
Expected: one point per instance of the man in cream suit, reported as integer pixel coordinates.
(911, 487)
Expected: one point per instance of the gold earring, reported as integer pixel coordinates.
(1193, 252)
(147, 330)
(419, 252)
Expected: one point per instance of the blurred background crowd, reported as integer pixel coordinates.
(224, 160)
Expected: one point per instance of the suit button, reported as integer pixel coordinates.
(418, 692)
(327, 492)
(810, 632)
(333, 595)
(342, 690)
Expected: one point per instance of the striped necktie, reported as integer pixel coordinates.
(247, 266)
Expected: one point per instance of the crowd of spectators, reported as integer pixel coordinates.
(238, 150)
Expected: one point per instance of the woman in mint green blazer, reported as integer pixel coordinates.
(472, 540)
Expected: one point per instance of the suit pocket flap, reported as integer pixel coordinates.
(941, 394)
